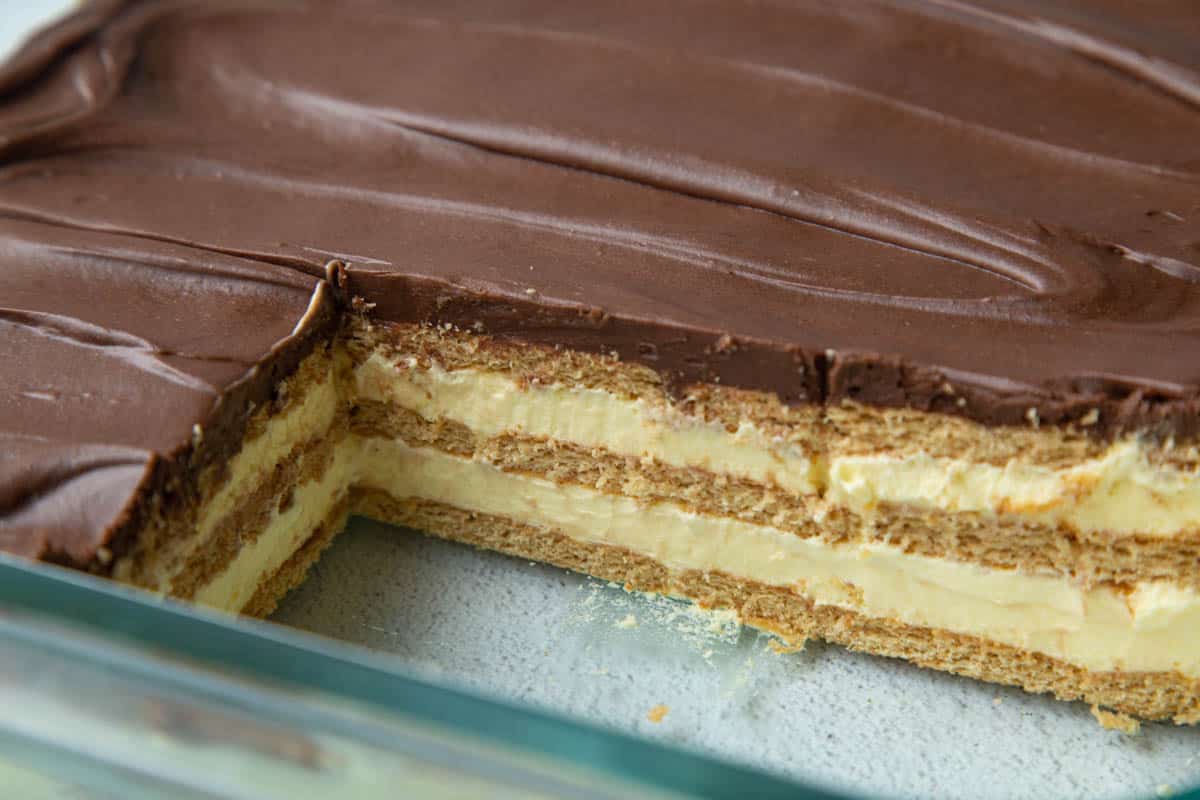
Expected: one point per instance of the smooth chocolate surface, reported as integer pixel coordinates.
(977, 208)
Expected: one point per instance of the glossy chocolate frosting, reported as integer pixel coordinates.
(977, 208)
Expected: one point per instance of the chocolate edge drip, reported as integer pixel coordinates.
(172, 478)
(797, 375)
(1105, 411)
(680, 355)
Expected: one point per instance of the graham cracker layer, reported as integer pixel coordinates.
(293, 571)
(595, 468)
(534, 364)
(1150, 695)
(1003, 542)
(843, 429)
(307, 462)
(165, 542)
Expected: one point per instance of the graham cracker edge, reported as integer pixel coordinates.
(778, 610)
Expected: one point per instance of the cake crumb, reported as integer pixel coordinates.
(630, 621)
(657, 713)
(783, 646)
(1165, 790)
(1116, 721)
(1090, 418)
(1032, 415)
(997, 701)
(531, 291)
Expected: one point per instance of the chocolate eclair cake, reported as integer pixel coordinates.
(875, 322)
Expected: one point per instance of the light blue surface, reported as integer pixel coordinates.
(555, 640)
(19, 17)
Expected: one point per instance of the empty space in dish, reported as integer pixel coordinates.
(664, 670)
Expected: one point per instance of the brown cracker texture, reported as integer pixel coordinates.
(1157, 695)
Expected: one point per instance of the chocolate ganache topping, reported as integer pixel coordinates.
(978, 208)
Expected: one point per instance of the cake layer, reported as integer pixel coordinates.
(1101, 629)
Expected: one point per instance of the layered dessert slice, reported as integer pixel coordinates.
(169, 420)
(761, 308)
(1030, 556)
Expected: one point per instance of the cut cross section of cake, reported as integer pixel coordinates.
(878, 324)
